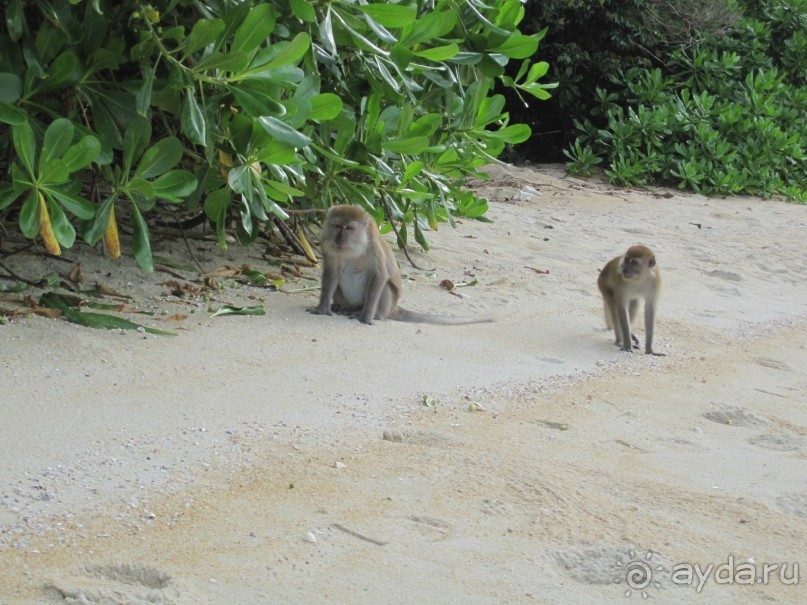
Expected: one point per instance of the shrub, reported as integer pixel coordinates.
(724, 116)
(251, 111)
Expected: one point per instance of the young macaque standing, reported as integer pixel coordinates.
(360, 275)
(624, 282)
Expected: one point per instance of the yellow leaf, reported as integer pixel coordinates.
(46, 229)
(309, 251)
(111, 238)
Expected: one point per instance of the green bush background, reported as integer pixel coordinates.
(251, 111)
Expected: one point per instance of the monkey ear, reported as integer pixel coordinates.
(652, 262)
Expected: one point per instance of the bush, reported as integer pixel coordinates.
(249, 112)
(727, 115)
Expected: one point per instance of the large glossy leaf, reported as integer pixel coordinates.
(389, 15)
(518, 46)
(15, 19)
(73, 202)
(429, 26)
(94, 230)
(25, 145)
(160, 158)
(204, 32)
(192, 119)
(256, 103)
(255, 29)
(29, 216)
(439, 53)
(233, 61)
(325, 106)
(141, 246)
(406, 146)
(10, 87)
(58, 138)
(60, 71)
(143, 97)
(134, 142)
(283, 132)
(82, 153)
(174, 185)
(303, 10)
(53, 170)
(62, 229)
(290, 54)
(10, 114)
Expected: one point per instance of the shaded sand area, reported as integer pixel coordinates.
(291, 458)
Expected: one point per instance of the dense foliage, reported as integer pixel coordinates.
(248, 112)
(703, 94)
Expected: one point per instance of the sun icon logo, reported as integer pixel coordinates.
(637, 573)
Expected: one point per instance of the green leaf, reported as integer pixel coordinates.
(53, 171)
(62, 229)
(73, 202)
(231, 310)
(303, 11)
(10, 87)
(466, 58)
(257, 103)
(517, 133)
(406, 146)
(326, 32)
(60, 71)
(15, 20)
(102, 321)
(432, 25)
(389, 15)
(95, 229)
(174, 185)
(9, 114)
(25, 145)
(232, 62)
(7, 195)
(283, 188)
(325, 106)
(141, 247)
(537, 70)
(518, 46)
(135, 141)
(204, 32)
(57, 139)
(143, 97)
(29, 216)
(82, 153)
(283, 132)
(292, 52)
(216, 205)
(255, 29)
(160, 158)
(414, 169)
(192, 119)
(439, 53)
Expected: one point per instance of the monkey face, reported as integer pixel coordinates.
(345, 237)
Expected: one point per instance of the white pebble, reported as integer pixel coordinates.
(310, 537)
(338, 464)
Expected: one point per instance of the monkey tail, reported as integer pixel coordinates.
(445, 320)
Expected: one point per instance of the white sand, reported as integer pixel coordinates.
(141, 469)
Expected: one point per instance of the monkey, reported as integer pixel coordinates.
(360, 276)
(624, 282)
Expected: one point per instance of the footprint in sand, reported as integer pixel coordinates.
(133, 584)
(780, 442)
(735, 417)
(793, 504)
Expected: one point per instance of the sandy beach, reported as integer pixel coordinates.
(293, 458)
